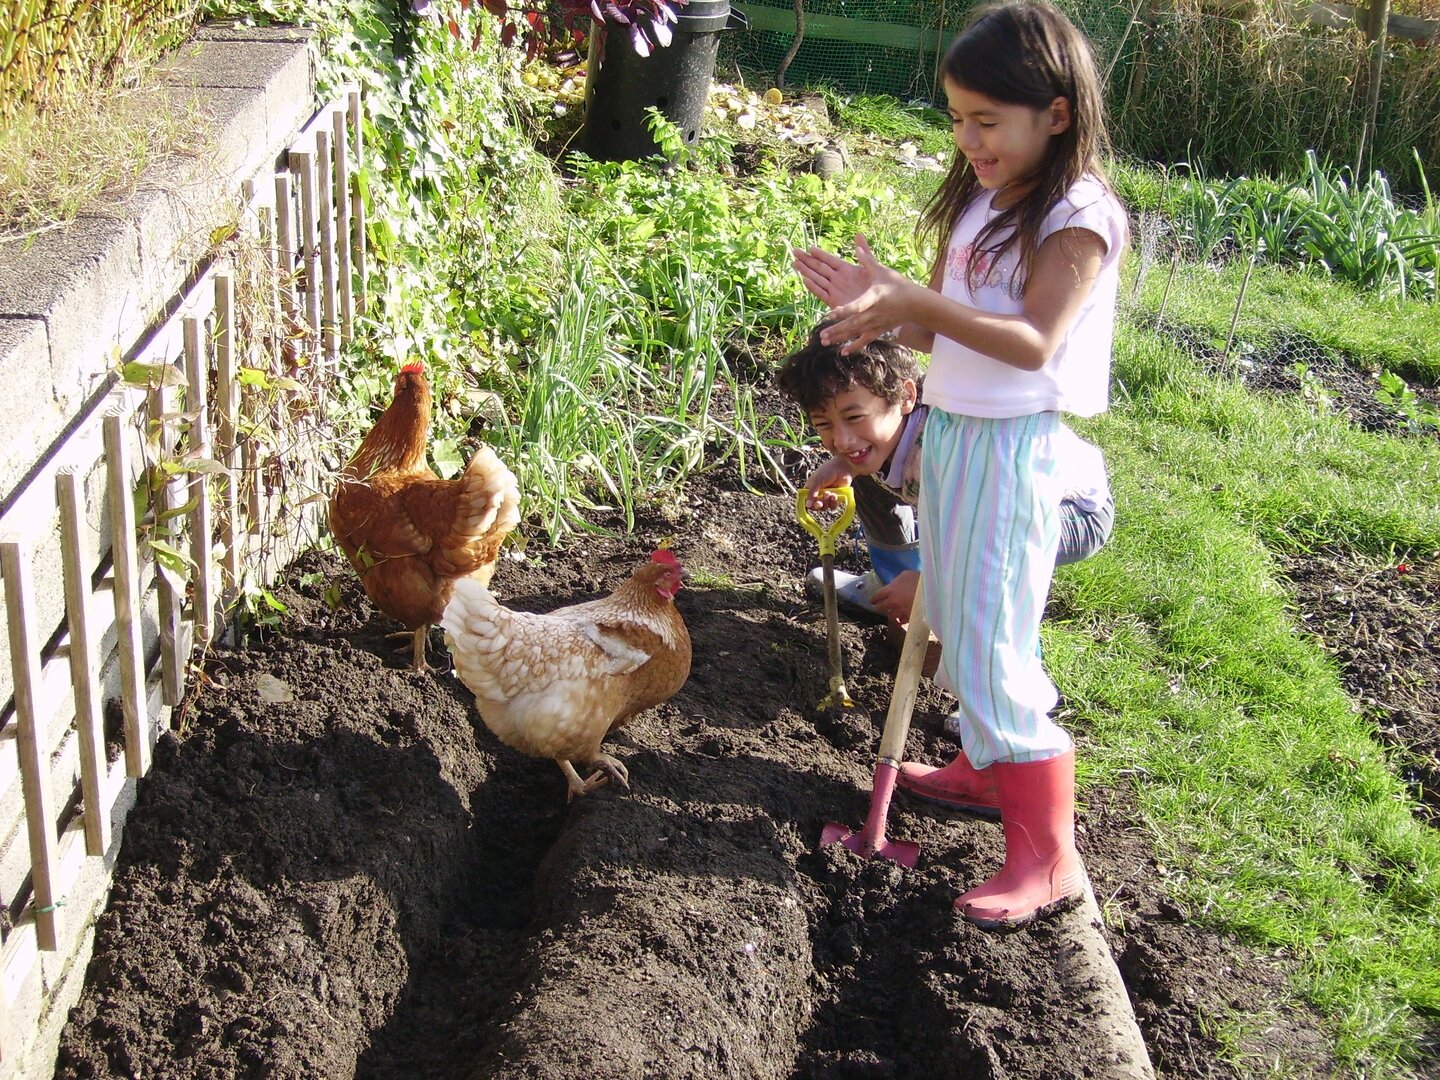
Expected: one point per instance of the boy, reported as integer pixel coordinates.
(866, 409)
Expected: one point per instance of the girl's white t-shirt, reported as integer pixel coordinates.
(1077, 378)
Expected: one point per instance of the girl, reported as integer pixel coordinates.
(1019, 318)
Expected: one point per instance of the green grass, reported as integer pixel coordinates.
(1270, 799)
(893, 120)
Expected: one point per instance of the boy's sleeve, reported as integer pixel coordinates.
(879, 512)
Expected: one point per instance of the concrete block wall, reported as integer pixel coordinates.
(74, 302)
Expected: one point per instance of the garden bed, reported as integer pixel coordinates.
(363, 881)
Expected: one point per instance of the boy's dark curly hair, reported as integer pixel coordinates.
(813, 375)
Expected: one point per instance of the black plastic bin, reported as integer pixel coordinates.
(674, 79)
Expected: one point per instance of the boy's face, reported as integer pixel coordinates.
(862, 427)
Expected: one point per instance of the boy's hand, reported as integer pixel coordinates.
(833, 474)
(894, 600)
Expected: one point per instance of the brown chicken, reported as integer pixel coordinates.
(555, 685)
(409, 534)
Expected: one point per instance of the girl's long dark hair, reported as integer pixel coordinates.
(1020, 53)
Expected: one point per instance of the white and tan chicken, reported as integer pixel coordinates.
(554, 685)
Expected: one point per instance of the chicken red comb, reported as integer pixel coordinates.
(664, 555)
(415, 367)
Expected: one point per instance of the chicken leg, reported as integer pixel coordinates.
(417, 648)
(608, 768)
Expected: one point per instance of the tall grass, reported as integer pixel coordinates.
(568, 441)
(1357, 232)
(1248, 92)
(53, 50)
(622, 400)
(88, 150)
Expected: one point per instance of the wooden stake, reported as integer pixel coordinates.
(227, 416)
(34, 760)
(1235, 315)
(302, 164)
(89, 717)
(127, 595)
(342, 224)
(325, 245)
(169, 591)
(290, 259)
(1165, 296)
(357, 201)
(1376, 27)
(197, 444)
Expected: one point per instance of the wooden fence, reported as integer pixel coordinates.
(183, 489)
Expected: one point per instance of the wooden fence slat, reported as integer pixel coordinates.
(302, 165)
(289, 255)
(342, 223)
(227, 416)
(34, 760)
(197, 445)
(127, 593)
(325, 246)
(311, 242)
(169, 589)
(89, 716)
(357, 200)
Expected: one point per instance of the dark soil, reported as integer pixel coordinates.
(362, 881)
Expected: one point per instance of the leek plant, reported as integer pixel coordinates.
(1353, 231)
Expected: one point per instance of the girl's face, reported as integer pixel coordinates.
(862, 427)
(1004, 144)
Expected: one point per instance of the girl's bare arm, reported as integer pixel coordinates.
(1065, 270)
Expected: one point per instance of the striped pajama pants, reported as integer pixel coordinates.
(989, 531)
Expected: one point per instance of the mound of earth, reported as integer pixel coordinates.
(335, 870)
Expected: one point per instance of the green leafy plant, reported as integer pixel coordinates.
(1394, 393)
(1355, 232)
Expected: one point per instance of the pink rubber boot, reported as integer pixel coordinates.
(1042, 868)
(958, 785)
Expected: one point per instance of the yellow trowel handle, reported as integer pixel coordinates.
(826, 534)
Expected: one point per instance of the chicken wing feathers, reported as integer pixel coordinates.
(502, 653)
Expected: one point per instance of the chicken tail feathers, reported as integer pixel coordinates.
(489, 496)
(472, 622)
(472, 609)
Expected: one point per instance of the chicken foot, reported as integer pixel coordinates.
(417, 648)
(608, 768)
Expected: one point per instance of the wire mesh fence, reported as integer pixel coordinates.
(1215, 315)
(1243, 89)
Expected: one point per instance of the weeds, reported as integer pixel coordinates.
(88, 150)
